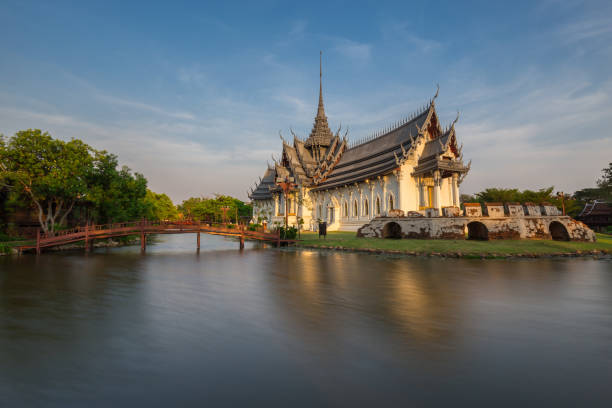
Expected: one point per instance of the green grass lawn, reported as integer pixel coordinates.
(465, 247)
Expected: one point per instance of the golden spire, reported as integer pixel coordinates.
(321, 110)
(320, 136)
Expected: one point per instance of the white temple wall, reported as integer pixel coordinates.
(315, 206)
(446, 198)
(408, 190)
(263, 209)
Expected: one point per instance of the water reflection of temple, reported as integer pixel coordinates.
(325, 294)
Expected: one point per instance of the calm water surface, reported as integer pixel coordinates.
(265, 327)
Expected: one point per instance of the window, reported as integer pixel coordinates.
(366, 210)
(355, 209)
(346, 209)
(377, 206)
(390, 202)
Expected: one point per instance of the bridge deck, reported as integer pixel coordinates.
(143, 228)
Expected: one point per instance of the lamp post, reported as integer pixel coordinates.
(225, 209)
(286, 184)
(561, 196)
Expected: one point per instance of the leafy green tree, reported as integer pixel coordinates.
(506, 195)
(51, 174)
(116, 195)
(4, 190)
(160, 207)
(208, 209)
(187, 208)
(605, 183)
(467, 198)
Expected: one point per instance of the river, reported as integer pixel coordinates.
(268, 327)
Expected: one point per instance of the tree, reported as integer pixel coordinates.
(603, 191)
(506, 195)
(51, 174)
(160, 207)
(4, 190)
(605, 183)
(467, 198)
(208, 209)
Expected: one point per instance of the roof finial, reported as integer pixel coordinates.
(456, 119)
(320, 65)
(321, 110)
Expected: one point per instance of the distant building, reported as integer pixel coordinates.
(597, 215)
(414, 165)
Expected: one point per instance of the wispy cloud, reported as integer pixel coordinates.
(143, 106)
(550, 134)
(103, 96)
(353, 49)
(297, 31)
(298, 28)
(192, 76)
(587, 30)
(401, 32)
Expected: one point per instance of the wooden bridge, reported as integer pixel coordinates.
(89, 233)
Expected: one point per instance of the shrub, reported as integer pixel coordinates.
(288, 233)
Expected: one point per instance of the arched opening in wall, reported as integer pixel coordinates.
(377, 206)
(478, 231)
(334, 210)
(345, 209)
(392, 230)
(391, 202)
(355, 209)
(366, 210)
(558, 231)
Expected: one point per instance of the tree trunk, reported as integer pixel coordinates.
(63, 219)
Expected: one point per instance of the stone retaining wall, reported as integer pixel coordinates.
(555, 227)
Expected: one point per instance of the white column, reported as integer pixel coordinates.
(422, 201)
(455, 188)
(276, 198)
(384, 204)
(436, 197)
(371, 203)
(402, 191)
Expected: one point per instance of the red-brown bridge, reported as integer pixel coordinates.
(143, 228)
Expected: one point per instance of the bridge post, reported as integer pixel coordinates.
(38, 241)
(87, 237)
(143, 237)
(198, 240)
(278, 238)
(242, 237)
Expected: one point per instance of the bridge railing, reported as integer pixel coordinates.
(152, 226)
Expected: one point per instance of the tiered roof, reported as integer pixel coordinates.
(291, 161)
(266, 183)
(376, 156)
(596, 208)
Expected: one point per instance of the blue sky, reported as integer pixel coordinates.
(193, 95)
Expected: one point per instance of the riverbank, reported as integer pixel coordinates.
(9, 248)
(347, 241)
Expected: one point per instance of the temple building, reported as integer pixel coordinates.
(413, 166)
